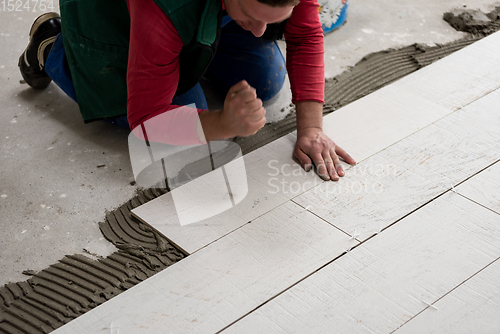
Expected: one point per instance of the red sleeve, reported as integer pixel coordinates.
(153, 63)
(305, 53)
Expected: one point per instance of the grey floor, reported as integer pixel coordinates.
(52, 194)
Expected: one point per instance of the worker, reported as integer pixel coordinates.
(129, 62)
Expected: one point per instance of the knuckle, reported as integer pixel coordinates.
(247, 127)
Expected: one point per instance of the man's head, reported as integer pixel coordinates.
(254, 15)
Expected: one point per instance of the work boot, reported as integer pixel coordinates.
(32, 61)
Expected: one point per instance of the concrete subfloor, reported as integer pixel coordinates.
(52, 192)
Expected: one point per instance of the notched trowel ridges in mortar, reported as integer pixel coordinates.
(371, 73)
(120, 227)
(431, 54)
(77, 284)
(267, 134)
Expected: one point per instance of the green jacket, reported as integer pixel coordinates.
(96, 40)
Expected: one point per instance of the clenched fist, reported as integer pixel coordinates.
(243, 112)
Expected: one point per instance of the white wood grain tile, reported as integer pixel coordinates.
(479, 121)
(380, 119)
(436, 85)
(459, 78)
(487, 48)
(392, 183)
(276, 168)
(484, 188)
(473, 307)
(462, 143)
(212, 288)
(384, 282)
(437, 151)
(161, 214)
(376, 193)
(273, 178)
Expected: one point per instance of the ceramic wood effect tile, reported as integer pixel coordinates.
(472, 307)
(484, 188)
(210, 289)
(460, 78)
(387, 280)
(392, 183)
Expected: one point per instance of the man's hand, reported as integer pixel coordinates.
(243, 112)
(243, 115)
(313, 146)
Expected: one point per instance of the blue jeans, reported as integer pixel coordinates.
(240, 56)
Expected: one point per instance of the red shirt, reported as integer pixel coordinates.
(155, 46)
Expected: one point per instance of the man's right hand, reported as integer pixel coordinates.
(243, 114)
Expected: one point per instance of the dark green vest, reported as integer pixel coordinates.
(96, 40)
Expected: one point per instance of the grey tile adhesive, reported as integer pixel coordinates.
(76, 284)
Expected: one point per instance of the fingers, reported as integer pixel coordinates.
(320, 163)
(328, 165)
(255, 105)
(337, 171)
(331, 164)
(243, 92)
(258, 114)
(238, 87)
(324, 153)
(304, 159)
(260, 124)
(247, 95)
(256, 121)
(344, 155)
(243, 111)
(254, 127)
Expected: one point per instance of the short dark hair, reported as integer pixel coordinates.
(279, 3)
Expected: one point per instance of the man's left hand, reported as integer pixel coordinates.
(313, 145)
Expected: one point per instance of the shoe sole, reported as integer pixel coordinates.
(38, 22)
(41, 19)
(41, 50)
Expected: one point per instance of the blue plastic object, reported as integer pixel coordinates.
(332, 14)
